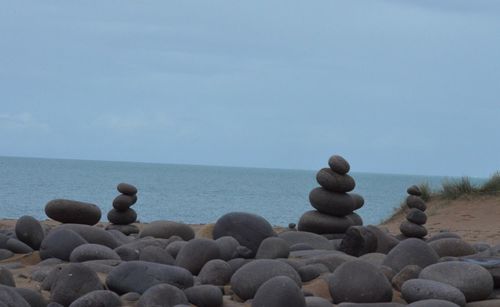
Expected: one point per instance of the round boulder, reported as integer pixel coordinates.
(167, 229)
(415, 290)
(215, 272)
(272, 248)
(335, 182)
(72, 211)
(452, 247)
(60, 243)
(29, 231)
(86, 252)
(162, 295)
(279, 291)
(196, 253)
(338, 164)
(410, 251)
(101, 298)
(204, 296)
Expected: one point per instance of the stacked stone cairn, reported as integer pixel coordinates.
(334, 206)
(122, 216)
(416, 217)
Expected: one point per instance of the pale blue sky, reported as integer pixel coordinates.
(394, 86)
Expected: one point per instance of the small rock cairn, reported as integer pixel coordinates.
(334, 206)
(121, 216)
(416, 217)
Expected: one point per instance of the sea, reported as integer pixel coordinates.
(186, 193)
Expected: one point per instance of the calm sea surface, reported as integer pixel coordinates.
(191, 194)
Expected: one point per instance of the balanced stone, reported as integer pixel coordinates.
(414, 190)
(416, 216)
(126, 188)
(413, 201)
(359, 201)
(126, 217)
(320, 223)
(412, 230)
(335, 182)
(72, 211)
(122, 202)
(29, 231)
(339, 165)
(332, 203)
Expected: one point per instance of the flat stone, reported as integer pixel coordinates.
(415, 202)
(122, 202)
(335, 182)
(29, 231)
(415, 290)
(72, 211)
(126, 188)
(338, 164)
(320, 223)
(126, 217)
(332, 203)
(416, 216)
(167, 229)
(412, 230)
(410, 251)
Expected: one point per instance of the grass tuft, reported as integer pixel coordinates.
(492, 186)
(453, 189)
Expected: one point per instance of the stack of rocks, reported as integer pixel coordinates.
(416, 218)
(121, 216)
(334, 205)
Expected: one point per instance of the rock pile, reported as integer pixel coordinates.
(334, 206)
(416, 217)
(122, 216)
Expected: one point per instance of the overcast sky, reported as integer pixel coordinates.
(394, 86)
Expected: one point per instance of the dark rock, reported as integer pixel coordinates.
(300, 247)
(332, 260)
(86, 252)
(332, 203)
(415, 202)
(272, 248)
(480, 246)
(6, 278)
(126, 217)
(54, 304)
(247, 279)
(339, 165)
(101, 298)
(359, 201)
(127, 253)
(138, 276)
(237, 263)
(311, 239)
(72, 211)
(94, 235)
(131, 296)
(120, 237)
(421, 289)
(167, 229)
(359, 282)
(125, 229)
(123, 202)
(215, 272)
(292, 226)
(59, 243)
(315, 301)
(10, 298)
(385, 241)
(5, 254)
(279, 291)
(162, 295)
(126, 188)
(370, 305)
(356, 220)
(414, 190)
(358, 241)
(175, 247)
(412, 230)
(18, 247)
(416, 216)
(312, 271)
(432, 303)
(248, 229)
(227, 247)
(320, 223)
(74, 281)
(29, 231)
(102, 266)
(334, 182)
(374, 258)
(204, 296)
(475, 282)
(443, 235)
(410, 251)
(452, 247)
(196, 253)
(408, 272)
(34, 299)
(156, 254)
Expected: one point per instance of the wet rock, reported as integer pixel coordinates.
(422, 289)
(29, 231)
(410, 251)
(167, 229)
(101, 298)
(72, 211)
(162, 295)
(204, 296)
(196, 253)
(272, 248)
(280, 291)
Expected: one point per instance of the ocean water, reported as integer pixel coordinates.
(187, 193)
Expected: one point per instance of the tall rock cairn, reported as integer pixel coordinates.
(334, 205)
(416, 217)
(121, 216)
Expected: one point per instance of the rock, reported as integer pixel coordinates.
(175, 247)
(412, 230)
(414, 190)
(72, 211)
(123, 202)
(6, 277)
(5, 254)
(74, 281)
(272, 248)
(358, 241)
(127, 253)
(10, 298)
(279, 291)
(416, 216)
(485, 303)
(125, 229)
(339, 165)
(138, 276)
(127, 189)
(475, 282)
(408, 272)
(29, 231)
(359, 282)
(374, 258)
(370, 305)
(334, 182)
(421, 289)
(204, 296)
(126, 217)
(355, 218)
(415, 202)
(227, 247)
(332, 203)
(248, 229)
(432, 303)
(94, 235)
(311, 239)
(312, 271)
(18, 247)
(215, 272)
(385, 241)
(410, 251)
(86, 252)
(442, 235)
(359, 201)
(167, 229)
(101, 298)
(196, 253)
(247, 279)
(162, 295)
(452, 247)
(33, 298)
(156, 254)
(59, 243)
(315, 301)
(320, 223)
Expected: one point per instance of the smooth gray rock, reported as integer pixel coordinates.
(385, 241)
(312, 271)
(100, 298)
(359, 282)
(273, 248)
(370, 305)
(86, 252)
(414, 190)
(247, 279)
(156, 254)
(279, 291)
(332, 203)
(138, 276)
(416, 216)
(34, 299)
(72, 211)
(123, 202)
(126, 188)
(408, 272)
(313, 240)
(237, 263)
(415, 290)
(442, 235)
(167, 229)
(227, 247)
(18, 247)
(6, 277)
(127, 253)
(475, 282)
(452, 247)
(433, 303)
(320, 223)
(125, 229)
(338, 164)
(410, 251)
(162, 295)
(248, 229)
(10, 298)
(332, 260)
(126, 217)
(315, 301)
(359, 201)
(5, 254)
(29, 231)
(196, 253)
(374, 258)
(215, 272)
(92, 234)
(175, 247)
(413, 201)
(59, 243)
(204, 296)
(358, 240)
(412, 230)
(335, 182)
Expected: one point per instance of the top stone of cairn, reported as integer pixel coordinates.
(414, 190)
(127, 189)
(339, 165)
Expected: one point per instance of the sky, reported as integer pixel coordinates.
(395, 86)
